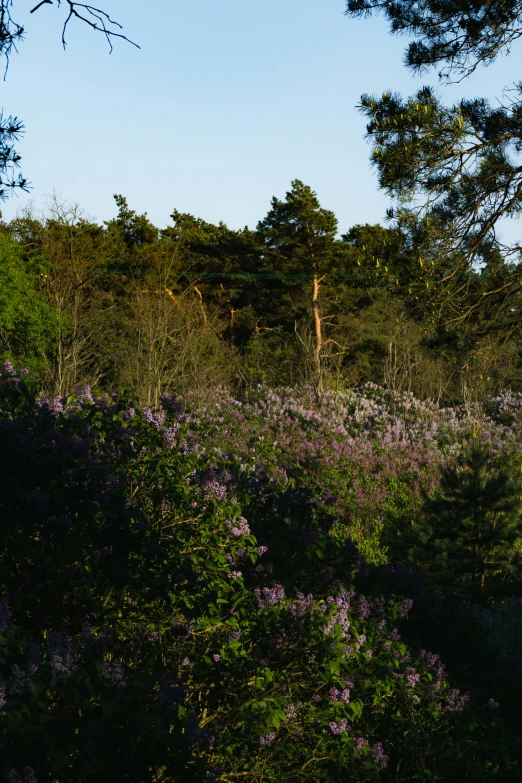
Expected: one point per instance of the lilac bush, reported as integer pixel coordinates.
(174, 609)
(373, 455)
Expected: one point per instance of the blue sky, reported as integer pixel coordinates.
(221, 108)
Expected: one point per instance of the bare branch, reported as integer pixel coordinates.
(102, 20)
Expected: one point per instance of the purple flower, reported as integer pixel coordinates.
(405, 607)
(360, 742)
(379, 758)
(240, 529)
(169, 436)
(235, 575)
(63, 657)
(267, 740)
(262, 549)
(270, 596)
(363, 609)
(456, 703)
(3, 701)
(216, 657)
(338, 728)
(360, 641)
(113, 674)
(156, 419)
(5, 615)
(19, 681)
(84, 394)
(492, 704)
(234, 636)
(26, 776)
(186, 662)
(171, 402)
(303, 605)
(290, 711)
(412, 677)
(33, 658)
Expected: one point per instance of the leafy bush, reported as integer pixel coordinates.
(170, 613)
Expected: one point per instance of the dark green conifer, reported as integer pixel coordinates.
(471, 528)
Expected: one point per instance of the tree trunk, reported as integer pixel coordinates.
(202, 306)
(318, 333)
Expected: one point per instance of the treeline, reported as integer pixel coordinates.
(193, 305)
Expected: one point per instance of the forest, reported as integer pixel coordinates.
(261, 489)
(192, 306)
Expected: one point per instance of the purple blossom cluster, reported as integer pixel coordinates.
(5, 615)
(405, 607)
(267, 739)
(456, 702)
(63, 657)
(270, 596)
(113, 674)
(341, 616)
(173, 404)
(338, 695)
(290, 711)
(379, 758)
(338, 727)
(363, 609)
(27, 775)
(156, 419)
(436, 667)
(18, 681)
(239, 527)
(303, 605)
(412, 677)
(360, 743)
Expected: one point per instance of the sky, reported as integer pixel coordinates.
(219, 110)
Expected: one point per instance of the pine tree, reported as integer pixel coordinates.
(298, 237)
(472, 526)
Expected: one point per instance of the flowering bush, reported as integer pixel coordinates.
(169, 613)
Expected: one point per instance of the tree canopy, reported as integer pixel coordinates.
(460, 34)
(455, 172)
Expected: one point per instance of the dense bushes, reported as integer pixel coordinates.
(173, 613)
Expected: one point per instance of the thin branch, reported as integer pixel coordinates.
(96, 18)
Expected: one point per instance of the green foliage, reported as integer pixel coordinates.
(28, 325)
(147, 636)
(196, 304)
(135, 230)
(471, 531)
(298, 234)
(459, 34)
(453, 170)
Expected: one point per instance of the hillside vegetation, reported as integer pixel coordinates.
(259, 589)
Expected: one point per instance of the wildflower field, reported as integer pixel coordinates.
(274, 589)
